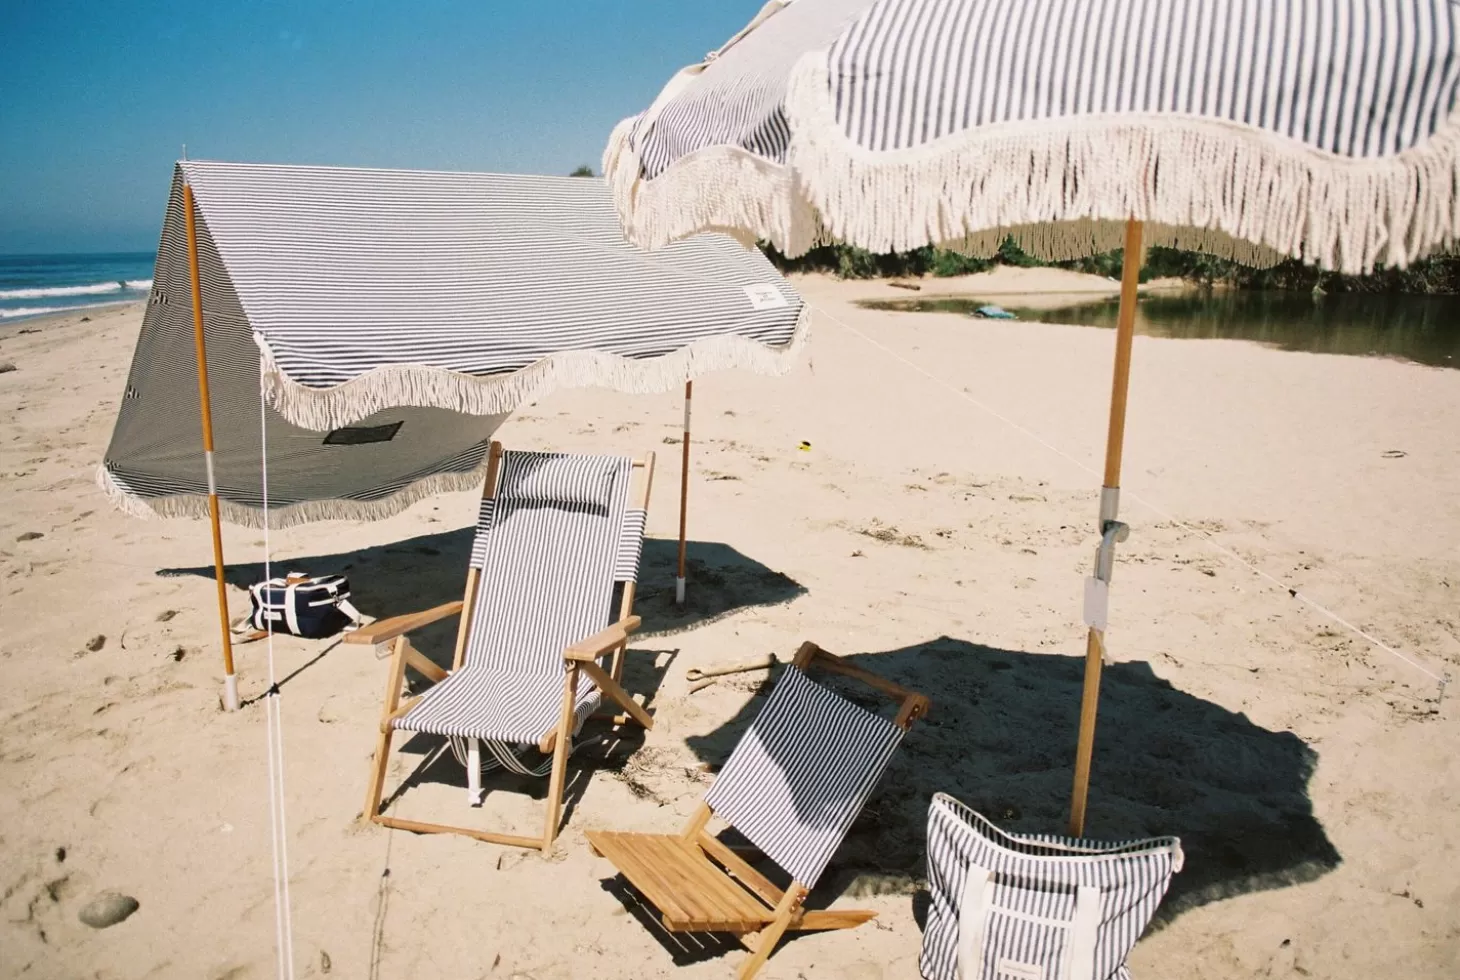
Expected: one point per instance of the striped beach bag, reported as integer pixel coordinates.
(1024, 907)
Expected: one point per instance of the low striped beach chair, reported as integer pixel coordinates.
(793, 785)
(557, 534)
(1035, 907)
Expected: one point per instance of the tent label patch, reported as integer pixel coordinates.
(765, 296)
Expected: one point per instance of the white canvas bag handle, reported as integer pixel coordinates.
(973, 919)
(977, 901)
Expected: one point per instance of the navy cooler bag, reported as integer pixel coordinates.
(301, 605)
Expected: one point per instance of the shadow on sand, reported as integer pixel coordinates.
(417, 573)
(1001, 734)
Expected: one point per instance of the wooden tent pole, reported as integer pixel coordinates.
(679, 579)
(1111, 530)
(230, 679)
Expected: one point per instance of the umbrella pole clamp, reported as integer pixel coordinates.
(1097, 586)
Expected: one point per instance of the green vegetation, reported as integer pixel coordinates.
(583, 171)
(1436, 275)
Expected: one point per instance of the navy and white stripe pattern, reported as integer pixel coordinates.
(1361, 78)
(1006, 905)
(548, 562)
(802, 772)
(344, 271)
(341, 273)
(1325, 130)
(739, 97)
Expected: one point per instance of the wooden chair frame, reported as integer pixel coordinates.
(582, 657)
(700, 884)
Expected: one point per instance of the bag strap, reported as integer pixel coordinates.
(356, 620)
(977, 901)
(973, 918)
(1084, 930)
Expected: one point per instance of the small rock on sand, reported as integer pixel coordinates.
(107, 909)
(7, 367)
(95, 643)
(30, 536)
(166, 615)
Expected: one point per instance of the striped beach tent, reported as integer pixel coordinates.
(1257, 130)
(336, 343)
(392, 319)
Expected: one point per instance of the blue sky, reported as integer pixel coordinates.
(98, 97)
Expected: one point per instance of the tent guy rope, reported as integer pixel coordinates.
(274, 727)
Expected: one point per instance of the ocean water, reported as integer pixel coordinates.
(31, 285)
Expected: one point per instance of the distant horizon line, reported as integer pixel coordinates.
(68, 255)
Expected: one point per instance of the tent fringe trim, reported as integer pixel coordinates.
(410, 385)
(195, 505)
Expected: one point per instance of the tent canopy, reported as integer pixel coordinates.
(385, 322)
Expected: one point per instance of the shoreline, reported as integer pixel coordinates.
(13, 326)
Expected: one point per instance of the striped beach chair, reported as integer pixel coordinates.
(794, 784)
(1035, 907)
(557, 534)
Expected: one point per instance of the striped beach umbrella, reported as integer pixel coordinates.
(363, 332)
(1324, 130)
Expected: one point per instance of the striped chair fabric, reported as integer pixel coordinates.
(1035, 907)
(550, 548)
(802, 772)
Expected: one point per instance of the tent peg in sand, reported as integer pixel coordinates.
(1112, 531)
(230, 679)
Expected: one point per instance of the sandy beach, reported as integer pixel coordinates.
(937, 530)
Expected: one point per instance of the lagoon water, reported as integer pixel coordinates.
(1425, 329)
(31, 285)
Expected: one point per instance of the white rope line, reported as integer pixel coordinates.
(274, 727)
(1205, 536)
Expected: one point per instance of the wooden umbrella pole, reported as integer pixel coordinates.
(230, 680)
(683, 498)
(1110, 528)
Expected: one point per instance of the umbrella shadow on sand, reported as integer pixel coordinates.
(1000, 736)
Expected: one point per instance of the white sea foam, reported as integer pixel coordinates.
(91, 289)
(10, 312)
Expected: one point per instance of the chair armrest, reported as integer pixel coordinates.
(600, 643)
(389, 629)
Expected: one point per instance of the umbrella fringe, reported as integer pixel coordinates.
(720, 188)
(195, 505)
(1258, 197)
(323, 409)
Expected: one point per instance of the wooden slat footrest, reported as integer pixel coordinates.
(691, 893)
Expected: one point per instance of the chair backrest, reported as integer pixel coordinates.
(802, 772)
(550, 546)
(1025, 905)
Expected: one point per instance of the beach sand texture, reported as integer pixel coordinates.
(1313, 785)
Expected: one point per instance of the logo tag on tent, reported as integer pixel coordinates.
(765, 296)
